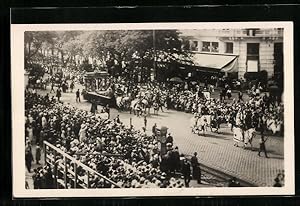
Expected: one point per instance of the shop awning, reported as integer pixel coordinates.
(231, 66)
(224, 63)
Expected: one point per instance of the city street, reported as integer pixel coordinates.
(214, 150)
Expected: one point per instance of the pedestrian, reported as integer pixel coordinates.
(37, 153)
(28, 159)
(72, 86)
(262, 146)
(197, 173)
(186, 171)
(117, 119)
(154, 129)
(58, 94)
(145, 122)
(176, 157)
(52, 87)
(78, 96)
(196, 168)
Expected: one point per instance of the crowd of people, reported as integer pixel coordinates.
(136, 159)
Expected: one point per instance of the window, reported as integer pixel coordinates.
(210, 46)
(214, 47)
(229, 47)
(194, 46)
(206, 46)
(252, 57)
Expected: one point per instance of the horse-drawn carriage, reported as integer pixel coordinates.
(241, 133)
(97, 90)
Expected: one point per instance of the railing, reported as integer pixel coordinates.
(258, 33)
(69, 172)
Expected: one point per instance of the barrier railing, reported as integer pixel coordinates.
(69, 172)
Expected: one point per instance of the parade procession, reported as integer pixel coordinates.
(154, 108)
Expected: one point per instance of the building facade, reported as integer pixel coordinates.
(255, 49)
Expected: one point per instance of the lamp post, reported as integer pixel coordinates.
(154, 59)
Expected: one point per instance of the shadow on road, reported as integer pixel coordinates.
(217, 136)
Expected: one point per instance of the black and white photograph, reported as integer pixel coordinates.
(152, 109)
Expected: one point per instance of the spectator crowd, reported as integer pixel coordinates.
(127, 156)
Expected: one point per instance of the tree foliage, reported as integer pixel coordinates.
(112, 48)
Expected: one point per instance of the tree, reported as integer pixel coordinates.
(133, 51)
(34, 41)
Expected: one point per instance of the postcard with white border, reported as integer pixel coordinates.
(152, 109)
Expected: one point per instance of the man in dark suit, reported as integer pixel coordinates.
(196, 168)
(58, 94)
(186, 171)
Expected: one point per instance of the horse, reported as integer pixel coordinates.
(136, 107)
(200, 124)
(146, 104)
(243, 135)
(123, 103)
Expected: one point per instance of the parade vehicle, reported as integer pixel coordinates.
(97, 90)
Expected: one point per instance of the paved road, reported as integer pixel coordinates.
(214, 150)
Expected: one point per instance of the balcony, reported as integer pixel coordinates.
(246, 33)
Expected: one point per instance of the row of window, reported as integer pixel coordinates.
(211, 47)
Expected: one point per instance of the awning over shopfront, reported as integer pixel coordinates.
(223, 63)
(231, 67)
